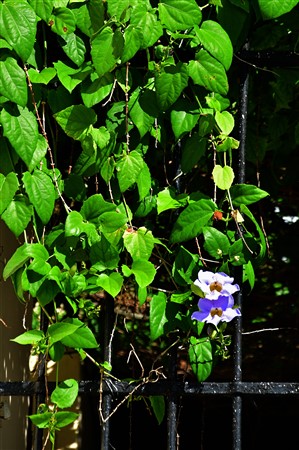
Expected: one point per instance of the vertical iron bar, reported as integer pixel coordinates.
(108, 311)
(172, 402)
(237, 400)
(40, 397)
(172, 366)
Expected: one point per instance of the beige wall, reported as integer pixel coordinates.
(14, 363)
(13, 357)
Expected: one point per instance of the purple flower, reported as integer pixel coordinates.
(215, 311)
(214, 285)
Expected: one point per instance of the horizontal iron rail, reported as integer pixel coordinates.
(268, 58)
(163, 387)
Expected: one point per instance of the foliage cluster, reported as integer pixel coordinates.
(118, 154)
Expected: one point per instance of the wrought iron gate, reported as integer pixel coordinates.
(236, 390)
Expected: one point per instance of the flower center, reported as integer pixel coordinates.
(216, 286)
(216, 312)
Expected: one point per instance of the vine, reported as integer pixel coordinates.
(139, 192)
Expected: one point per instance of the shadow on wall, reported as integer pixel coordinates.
(13, 357)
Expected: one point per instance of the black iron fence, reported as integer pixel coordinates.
(174, 389)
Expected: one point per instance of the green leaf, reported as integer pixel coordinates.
(69, 76)
(110, 283)
(237, 253)
(223, 176)
(117, 8)
(60, 330)
(106, 48)
(18, 214)
(41, 193)
(193, 150)
(39, 153)
(208, 72)
(185, 265)
(111, 221)
(157, 315)
(82, 338)
(94, 206)
(90, 16)
(170, 83)
(215, 39)
(249, 274)
(104, 256)
(147, 21)
(18, 26)
(76, 225)
(8, 187)
(29, 337)
(144, 182)
(76, 120)
(158, 406)
(263, 244)
(43, 77)
(228, 143)
(197, 291)
(141, 295)
(74, 48)
(179, 14)
(64, 418)
(22, 255)
(201, 357)
(271, 9)
(56, 351)
(192, 220)
(184, 117)
(13, 84)
(99, 89)
(43, 9)
(139, 243)
(20, 128)
(41, 420)
(143, 109)
(144, 272)
(246, 194)
(62, 21)
(216, 243)
(132, 41)
(65, 394)
(225, 121)
(180, 297)
(167, 199)
(128, 169)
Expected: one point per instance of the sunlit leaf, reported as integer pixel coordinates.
(223, 176)
(62, 21)
(157, 315)
(76, 120)
(139, 243)
(41, 193)
(170, 83)
(18, 214)
(215, 39)
(13, 84)
(179, 14)
(8, 188)
(18, 26)
(65, 394)
(128, 169)
(274, 8)
(208, 72)
(106, 48)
